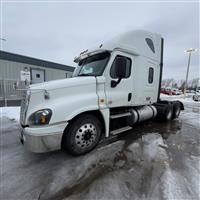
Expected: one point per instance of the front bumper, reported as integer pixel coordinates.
(43, 139)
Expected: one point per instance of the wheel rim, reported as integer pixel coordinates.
(169, 114)
(178, 112)
(86, 135)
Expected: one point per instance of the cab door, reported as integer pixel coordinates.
(119, 94)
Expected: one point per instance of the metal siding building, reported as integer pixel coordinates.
(12, 65)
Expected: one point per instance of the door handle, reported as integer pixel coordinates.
(129, 96)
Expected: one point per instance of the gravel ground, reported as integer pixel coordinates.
(153, 161)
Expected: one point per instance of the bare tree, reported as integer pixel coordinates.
(172, 83)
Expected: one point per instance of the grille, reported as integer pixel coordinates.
(23, 108)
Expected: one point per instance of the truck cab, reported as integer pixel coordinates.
(114, 87)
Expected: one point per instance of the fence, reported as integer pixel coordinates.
(8, 92)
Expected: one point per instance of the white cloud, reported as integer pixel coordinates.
(59, 31)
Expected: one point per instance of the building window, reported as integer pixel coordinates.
(151, 73)
(150, 44)
(128, 68)
(66, 74)
(37, 75)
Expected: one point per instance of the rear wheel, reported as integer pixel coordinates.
(83, 134)
(176, 110)
(167, 115)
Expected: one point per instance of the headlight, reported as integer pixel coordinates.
(40, 117)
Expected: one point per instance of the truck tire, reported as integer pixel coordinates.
(167, 115)
(83, 134)
(176, 110)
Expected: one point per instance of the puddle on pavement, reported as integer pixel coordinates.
(182, 139)
(165, 129)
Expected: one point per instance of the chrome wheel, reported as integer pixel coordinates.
(177, 112)
(82, 135)
(86, 135)
(169, 115)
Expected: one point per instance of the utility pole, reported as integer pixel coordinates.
(2, 39)
(4, 81)
(189, 51)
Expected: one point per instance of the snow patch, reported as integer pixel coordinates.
(193, 175)
(12, 113)
(80, 170)
(174, 185)
(191, 118)
(154, 147)
(187, 99)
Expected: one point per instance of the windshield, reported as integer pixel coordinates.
(93, 65)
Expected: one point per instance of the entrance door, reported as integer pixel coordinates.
(121, 94)
(37, 75)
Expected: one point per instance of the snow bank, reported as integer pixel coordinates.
(12, 113)
(181, 98)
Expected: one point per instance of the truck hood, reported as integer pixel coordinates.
(64, 83)
(67, 98)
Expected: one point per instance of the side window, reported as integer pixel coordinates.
(128, 68)
(151, 73)
(150, 44)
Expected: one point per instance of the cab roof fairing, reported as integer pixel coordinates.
(108, 47)
(135, 43)
(132, 42)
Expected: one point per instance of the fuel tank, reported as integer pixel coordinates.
(140, 114)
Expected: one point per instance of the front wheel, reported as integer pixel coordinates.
(83, 134)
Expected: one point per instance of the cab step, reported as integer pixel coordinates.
(120, 130)
(120, 115)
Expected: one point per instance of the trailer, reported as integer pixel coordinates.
(114, 87)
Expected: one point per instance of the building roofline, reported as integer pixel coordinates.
(33, 61)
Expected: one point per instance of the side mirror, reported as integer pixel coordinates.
(120, 70)
(120, 67)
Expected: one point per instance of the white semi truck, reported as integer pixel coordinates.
(114, 87)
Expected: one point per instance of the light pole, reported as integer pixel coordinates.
(189, 51)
